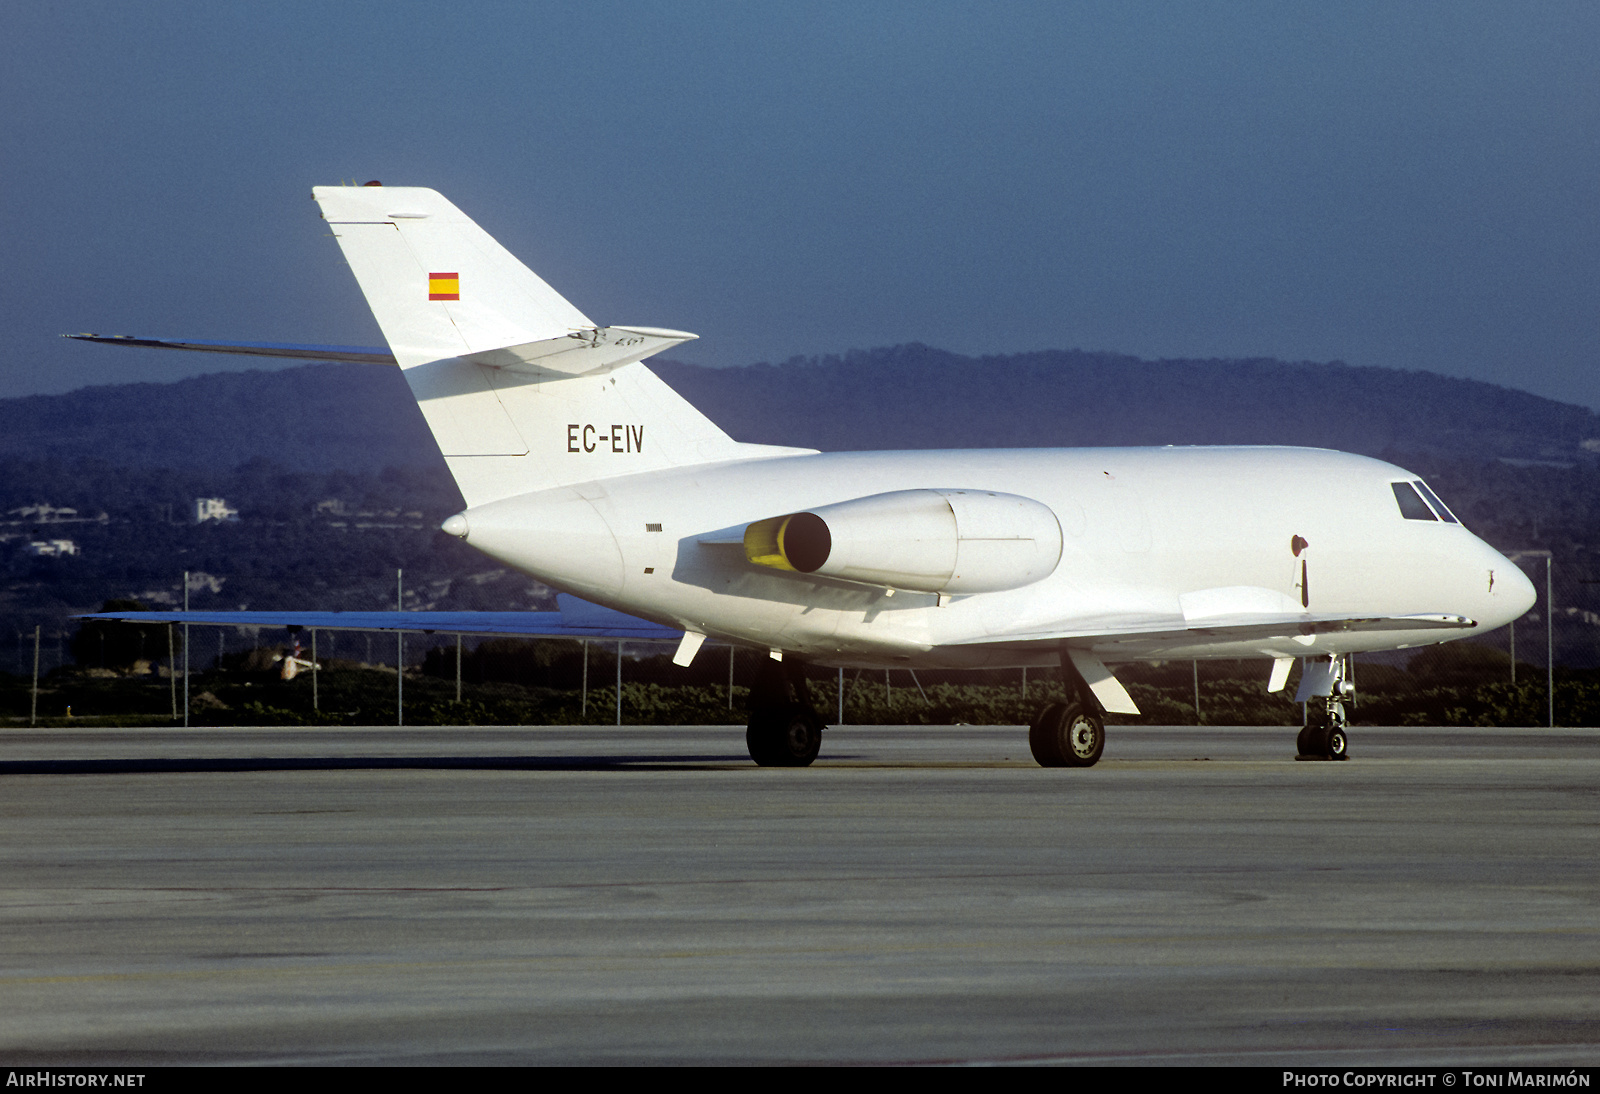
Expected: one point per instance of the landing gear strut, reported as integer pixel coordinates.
(1070, 734)
(1324, 737)
(785, 729)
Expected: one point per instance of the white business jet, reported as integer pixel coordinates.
(580, 467)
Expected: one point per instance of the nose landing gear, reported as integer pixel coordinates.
(1324, 736)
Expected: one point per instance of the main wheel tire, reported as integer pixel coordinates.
(1043, 741)
(1324, 742)
(1067, 735)
(758, 739)
(1313, 739)
(787, 736)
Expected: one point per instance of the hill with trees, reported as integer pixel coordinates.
(361, 417)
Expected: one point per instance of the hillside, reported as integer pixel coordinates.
(914, 396)
(362, 418)
(317, 417)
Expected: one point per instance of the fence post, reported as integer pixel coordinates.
(33, 706)
(186, 650)
(172, 673)
(1550, 639)
(399, 652)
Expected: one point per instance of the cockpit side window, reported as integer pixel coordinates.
(1433, 499)
(1412, 507)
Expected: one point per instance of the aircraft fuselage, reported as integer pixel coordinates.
(1177, 534)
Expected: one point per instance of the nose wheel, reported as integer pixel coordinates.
(1324, 736)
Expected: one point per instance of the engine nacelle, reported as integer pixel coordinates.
(931, 541)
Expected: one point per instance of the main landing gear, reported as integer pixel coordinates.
(1070, 734)
(785, 729)
(1324, 737)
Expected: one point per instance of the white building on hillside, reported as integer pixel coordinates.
(43, 513)
(51, 548)
(213, 509)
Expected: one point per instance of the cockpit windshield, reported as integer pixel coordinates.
(1412, 507)
(1433, 499)
(1410, 497)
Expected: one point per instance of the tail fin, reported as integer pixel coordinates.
(522, 391)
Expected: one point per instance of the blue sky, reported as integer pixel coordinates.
(1406, 185)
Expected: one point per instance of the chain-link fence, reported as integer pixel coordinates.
(1542, 670)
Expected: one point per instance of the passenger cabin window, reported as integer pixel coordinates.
(1433, 499)
(1412, 507)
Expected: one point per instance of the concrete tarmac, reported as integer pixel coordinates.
(647, 895)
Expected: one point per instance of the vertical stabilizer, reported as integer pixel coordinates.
(521, 390)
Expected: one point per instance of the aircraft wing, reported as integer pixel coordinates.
(1141, 634)
(575, 619)
(376, 355)
(1108, 635)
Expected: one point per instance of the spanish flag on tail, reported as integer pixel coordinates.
(444, 286)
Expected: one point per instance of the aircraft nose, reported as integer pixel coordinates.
(1512, 594)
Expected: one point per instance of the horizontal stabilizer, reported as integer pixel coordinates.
(586, 352)
(375, 355)
(576, 619)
